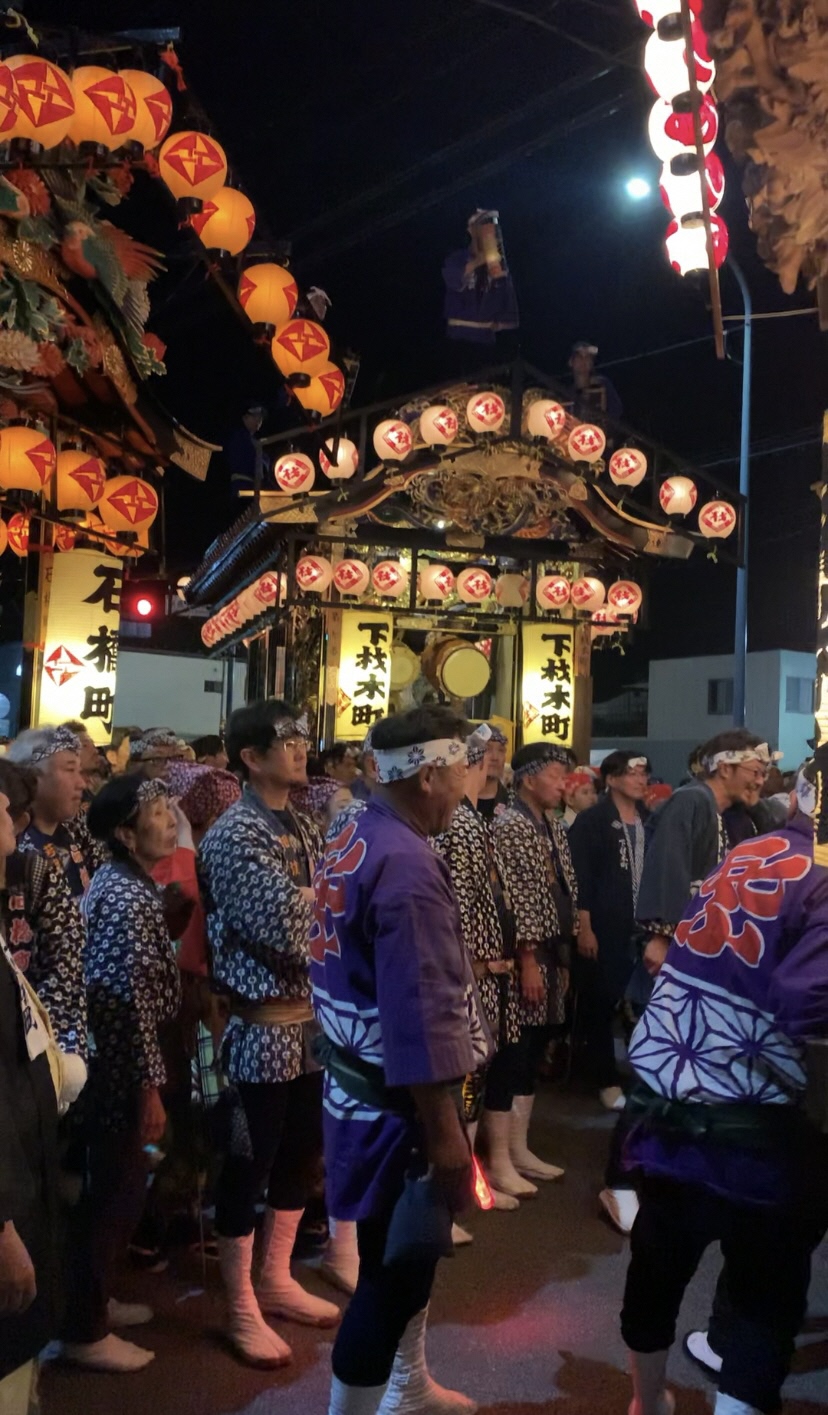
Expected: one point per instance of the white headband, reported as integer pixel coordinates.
(396, 763)
(761, 754)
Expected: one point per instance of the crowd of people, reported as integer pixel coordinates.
(357, 967)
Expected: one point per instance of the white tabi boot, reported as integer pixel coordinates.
(340, 1266)
(522, 1157)
(650, 1395)
(247, 1328)
(278, 1292)
(500, 1170)
(354, 1400)
(411, 1391)
(729, 1405)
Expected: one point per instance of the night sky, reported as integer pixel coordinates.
(367, 132)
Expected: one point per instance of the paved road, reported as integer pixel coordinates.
(526, 1319)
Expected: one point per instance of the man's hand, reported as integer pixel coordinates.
(152, 1117)
(447, 1146)
(587, 943)
(531, 978)
(655, 954)
(18, 1287)
(307, 894)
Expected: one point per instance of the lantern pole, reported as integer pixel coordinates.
(741, 629)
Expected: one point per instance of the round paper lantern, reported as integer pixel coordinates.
(485, 412)
(181, 587)
(439, 425)
(18, 533)
(588, 593)
(665, 60)
(545, 418)
(27, 459)
(677, 496)
(105, 107)
(324, 393)
(627, 466)
(686, 243)
(717, 520)
(300, 346)
(553, 591)
(4, 536)
(511, 591)
(605, 621)
(225, 222)
(682, 192)
(248, 604)
(209, 633)
(153, 108)
(45, 102)
(671, 131)
(625, 597)
(435, 581)
(586, 443)
(294, 472)
(8, 105)
(65, 538)
(268, 294)
(651, 11)
(80, 480)
(229, 619)
(192, 165)
(270, 589)
(389, 577)
(314, 573)
(127, 504)
(351, 577)
(393, 440)
(474, 585)
(347, 461)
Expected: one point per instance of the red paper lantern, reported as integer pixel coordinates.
(18, 533)
(301, 346)
(625, 597)
(671, 130)
(351, 577)
(717, 520)
(294, 472)
(192, 164)
(225, 222)
(665, 60)
(686, 243)
(627, 466)
(439, 425)
(683, 192)
(45, 102)
(545, 418)
(314, 573)
(65, 538)
(27, 459)
(153, 108)
(389, 577)
(393, 440)
(474, 585)
(677, 496)
(553, 591)
(80, 480)
(588, 593)
(268, 294)
(106, 108)
(324, 393)
(651, 11)
(586, 443)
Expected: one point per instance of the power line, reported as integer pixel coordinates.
(529, 17)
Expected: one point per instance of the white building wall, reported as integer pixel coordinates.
(168, 690)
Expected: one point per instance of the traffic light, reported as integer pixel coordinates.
(144, 601)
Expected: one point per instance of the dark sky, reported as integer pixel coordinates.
(366, 132)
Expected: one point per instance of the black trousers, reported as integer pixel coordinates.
(767, 1252)
(284, 1124)
(594, 1039)
(527, 1055)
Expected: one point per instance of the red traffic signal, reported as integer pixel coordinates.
(143, 601)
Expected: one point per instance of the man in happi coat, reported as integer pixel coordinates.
(394, 994)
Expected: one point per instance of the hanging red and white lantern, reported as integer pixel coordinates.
(65, 538)
(208, 633)
(627, 466)
(677, 496)
(682, 192)
(439, 425)
(586, 443)
(314, 573)
(511, 590)
(474, 585)
(604, 622)
(588, 593)
(671, 130)
(18, 530)
(553, 591)
(389, 577)
(625, 597)
(351, 577)
(294, 473)
(665, 60)
(545, 418)
(686, 243)
(652, 11)
(435, 581)
(486, 412)
(717, 520)
(393, 440)
(270, 588)
(229, 619)
(347, 461)
(248, 605)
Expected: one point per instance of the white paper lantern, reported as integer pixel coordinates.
(682, 192)
(652, 11)
(209, 633)
(625, 597)
(351, 577)
(604, 621)
(435, 581)
(627, 466)
(717, 520)
(270, 589)
(545, 418)
(588, 593)
(389, 577)
(553, 591)
(586, 443)
(686, 243)
(665, 61)
(249, 607)
(181, 586)
(677, 496)
(393, 440)
(485, 412)
(439, 425)
(347, 461)
(474, 585)
(511, 590)
(671, 131)
(314, 573)
(294, 472)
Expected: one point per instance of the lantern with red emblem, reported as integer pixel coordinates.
(671, 132)
(435, 581)
(18, 533)
(605, 621)
(225, 222)
(686, 243)
(588, 593)
(651, 11)
(105, 107)
(586, 443)
(717, 520)
(393, 440)
(627, 467)
(351, 577)
(677, 496)
(439, 425)
(511, 591)
(128, 504)
(27, 458)
(625, 597)
(269, 588)
(545, 418)
(153, 108)
(300, 346)
(390, 578)
(45, 102)
(682, 187)
(314, 573)
(486, 412)
(8, 104)
(65, 538)
(553, 591)
(4, 536)
(192, 164)
(665, 59)
(80, 480)
(347, 461)
(474, 585)
(294, 473)
(324, 393)
(209, 633)
(268, 294)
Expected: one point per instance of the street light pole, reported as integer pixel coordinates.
(740, 636)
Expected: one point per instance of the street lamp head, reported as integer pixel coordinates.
(637, 188)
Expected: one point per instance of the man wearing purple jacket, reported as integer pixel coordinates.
(721, 1142)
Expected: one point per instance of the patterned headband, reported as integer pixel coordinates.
(291, 727)
(396, 763)
(477, 743)
(496, 735)
(740, 757)
(62, 739)
(538, 764)
(148, 791)
(158, 737)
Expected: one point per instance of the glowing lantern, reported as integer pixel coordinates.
(717, 520)
(511, 591)
(225, 222)
(604, 621)
(80, 481)
(324, 393)
(677, 496)
(651, 11)
(229, 619)
(248, 605)
(347, 461)
(8, 108)
(127, 504)
(588, 593)
(665, 60)
(586, 443)
(301, 346)
(485, 412)
(438, 425)
(474, 585)
(314, 573)
(686, 243)
(209, 633)
(351, 577)
(18, 533)
(435, 581)
(105, 107)
(389, 577)
(45, 102)
(65, 538)
(627, 466)
(4, 536)
(625, 597)
(671, 131)
(27, 459)
(545, 418)
(553, 591)
(181, 588)
(294, 472)
(268, 294)
(682, 192)
(192, 165)
(393, 440)
(269, 588)
(153, 108)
